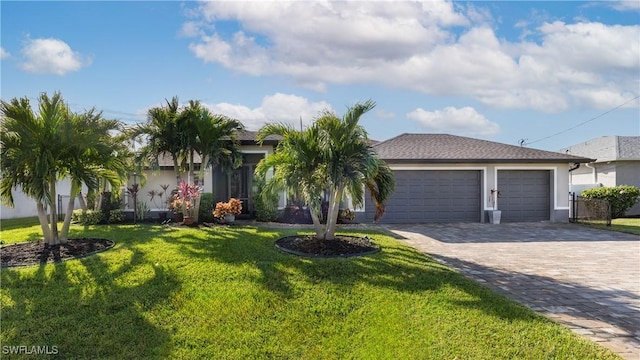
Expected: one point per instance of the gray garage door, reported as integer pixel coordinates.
(524, 195)
(433, 196)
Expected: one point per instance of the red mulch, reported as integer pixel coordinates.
(33, 253)
(341, 246)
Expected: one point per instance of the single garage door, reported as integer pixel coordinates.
(524, 195)
(433, 196)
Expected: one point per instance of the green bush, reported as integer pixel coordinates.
(205, 214)
(621, 197)
(266, 203)
(87, 217)
(116, 216)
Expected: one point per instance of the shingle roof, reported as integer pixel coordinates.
(249, 136)
(423, 148)
(608, 148)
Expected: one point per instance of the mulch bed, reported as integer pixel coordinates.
(341, 246)
(33, 253)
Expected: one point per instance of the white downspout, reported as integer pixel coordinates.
(593, 171)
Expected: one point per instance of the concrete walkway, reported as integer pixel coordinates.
(586, 279)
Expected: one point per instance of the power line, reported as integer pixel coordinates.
(584, 122)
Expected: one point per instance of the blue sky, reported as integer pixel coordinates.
(501, 71)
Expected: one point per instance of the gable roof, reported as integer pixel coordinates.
(608, 148)
(438, 148)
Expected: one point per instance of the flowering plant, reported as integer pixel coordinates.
(233, 207)
(185, 197)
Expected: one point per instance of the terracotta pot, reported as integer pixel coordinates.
(177, 217)
(187, 220)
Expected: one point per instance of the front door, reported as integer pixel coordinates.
(240, 183)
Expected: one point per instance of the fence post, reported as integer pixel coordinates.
(608, 213)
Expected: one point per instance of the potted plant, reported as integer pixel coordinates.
(176, 207)
(227, 211)
(494, 214)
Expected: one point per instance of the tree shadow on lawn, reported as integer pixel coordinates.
(547, 294)
(87, 309)
(396, 266)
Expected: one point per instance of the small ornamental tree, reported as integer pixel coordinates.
(188, 194)
(622, 197)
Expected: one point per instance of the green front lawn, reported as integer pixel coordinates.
(628, 225)
(228, 293)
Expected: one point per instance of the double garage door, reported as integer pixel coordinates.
(455, 196)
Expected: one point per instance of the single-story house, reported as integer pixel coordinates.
(447, 178)
(617, 162)
(439, 178)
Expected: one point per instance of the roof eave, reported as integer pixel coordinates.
(477, 161)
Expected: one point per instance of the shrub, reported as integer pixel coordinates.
(266, 203)
(233, 207)
(621, 197)
(116, 216)
(87, 217)
(205, 214)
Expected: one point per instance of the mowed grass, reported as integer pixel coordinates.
(227, 293)
(628, 225)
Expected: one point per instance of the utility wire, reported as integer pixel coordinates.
(584, 122)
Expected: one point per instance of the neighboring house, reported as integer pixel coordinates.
(447, 178)
(617, 162)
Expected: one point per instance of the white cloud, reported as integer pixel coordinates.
(274, 108)
(4, 54)
(465, 121)
(51, 56)
(435, 47)
(633, 5)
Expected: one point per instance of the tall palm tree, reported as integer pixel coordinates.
(333, 154)
(298, 166)
(212, 137)
(162, 135)
(97, 155)
(38, 149)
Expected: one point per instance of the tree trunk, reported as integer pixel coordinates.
(176, 169)
(44, 223)
(83, 204)
(196, 206)
(332, 216)
(53, 222)
(64, 233)
(316, 223)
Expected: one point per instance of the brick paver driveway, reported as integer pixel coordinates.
(584, 278)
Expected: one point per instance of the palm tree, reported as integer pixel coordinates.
(96, 157)
(298, 167)
(162, 134)
(38, 149)
(333, 154)
(212, 137)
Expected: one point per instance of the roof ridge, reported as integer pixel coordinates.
(389, 139)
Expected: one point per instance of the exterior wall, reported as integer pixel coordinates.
(611, 173)
(559, 173)
(628, 173)
(26, 206)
